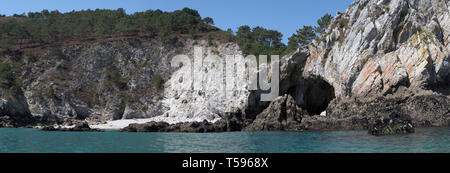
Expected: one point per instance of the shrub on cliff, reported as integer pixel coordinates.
(9, 82)
(5, 73)
(157, 81)
(114, 80)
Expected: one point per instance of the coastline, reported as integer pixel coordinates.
(398, 113)
(120, 124)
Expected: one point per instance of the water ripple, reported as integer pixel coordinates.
(426, 140)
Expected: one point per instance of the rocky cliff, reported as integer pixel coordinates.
(115, 80)
(378, 58)
(378, 61)
(376, 46)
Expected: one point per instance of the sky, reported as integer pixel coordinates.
(285, 16)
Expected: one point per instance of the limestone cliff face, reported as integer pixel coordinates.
(213, 99)
(116, 80)
(377, 46)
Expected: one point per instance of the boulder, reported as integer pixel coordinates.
(392, 124)
(282, 114)
(236, 120)
(147, 127)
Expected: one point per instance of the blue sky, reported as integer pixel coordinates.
(285, 16)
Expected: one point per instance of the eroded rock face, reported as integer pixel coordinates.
(14, 106)
(282, 114)
(422, 109)
(313, 93)
(393, 124)
(377, 46)
(122, 80)
(14, 111)
(374, 49)
(213, 99)
(235, 120)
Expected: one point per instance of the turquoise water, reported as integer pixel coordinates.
(35, 141)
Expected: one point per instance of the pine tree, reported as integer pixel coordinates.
(323, 23)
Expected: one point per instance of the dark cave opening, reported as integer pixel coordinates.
(314, 95)
(441, 87)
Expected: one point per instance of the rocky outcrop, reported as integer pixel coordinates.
(379, 60)
(14, 111)
(391, 125)
(363, 71)
(125, 79)
(230, 122)
(192, 127)
(236, 120)
(422, 109)
(368, 62)
(376, 46)
(16, 105)
(80, 127)
(282, 114)
(212, 100)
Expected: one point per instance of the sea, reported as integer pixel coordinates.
(425, 140)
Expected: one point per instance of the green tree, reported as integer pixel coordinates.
(157, 81)
(208, 21)
(244, 32)
(230, 31)
(19, 33)
(303, 36)
(323, 23)
(6, 74)
(260, 41)
(8, 79)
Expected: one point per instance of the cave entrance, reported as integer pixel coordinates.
(318, 95)
(441, 87)
(313, 94)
